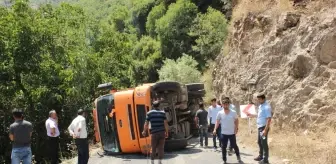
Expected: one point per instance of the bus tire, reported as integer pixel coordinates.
(195, 86)
(200, 93)
(175, 144)
(167, 85)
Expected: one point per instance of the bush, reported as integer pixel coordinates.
(183, 70)
(207, 79)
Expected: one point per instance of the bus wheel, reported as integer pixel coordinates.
(167, 85)
(195, 86)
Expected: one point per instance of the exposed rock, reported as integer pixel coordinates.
(332, 65)
(296, 68)
(286, 21)
(326, 48)
(326, 110)
(301, 66)
(331, 84)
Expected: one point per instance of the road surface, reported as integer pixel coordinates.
(193, 154)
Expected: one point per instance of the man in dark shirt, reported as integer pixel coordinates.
(158, 130)
(20, 134)
(202, 124)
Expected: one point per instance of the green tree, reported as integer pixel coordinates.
(140, 10)
(54, 55)
(115, 56)
(42, 70)
(147, 59)
(183, 70)
(156, 13)
(173, 28)
(210, 31)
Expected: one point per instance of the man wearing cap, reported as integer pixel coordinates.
(263, 121)
(77, 130)
(229, 128)
(20, 133)
(158, 130)
(53, 134)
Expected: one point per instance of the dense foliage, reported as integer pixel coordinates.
(183, 70)
(53, 56)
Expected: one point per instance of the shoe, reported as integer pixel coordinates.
(239, 159)
(259, 158)
(152, 161)
(160, 162)
(264, 162)
(224, 162)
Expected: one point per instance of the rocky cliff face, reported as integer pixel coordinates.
(292, 58)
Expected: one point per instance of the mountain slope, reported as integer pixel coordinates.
(289, 55)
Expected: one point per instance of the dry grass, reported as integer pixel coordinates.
(318, 5)
(298, 147)
(276, 7)
(207, 80)
(273, 7)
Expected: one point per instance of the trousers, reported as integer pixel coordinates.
(53, 149)
(263, 145)
(83, 150)
(157, 142)
(233, 142)
(203, 133)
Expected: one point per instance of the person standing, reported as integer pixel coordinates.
(20, 133)
(202, 124)
(158, 130)
(78, 131)
(229, 128)
(232, 108)
(263, 122)
(53, 136)
(212, 114)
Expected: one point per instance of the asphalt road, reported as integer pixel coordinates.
(193, 154)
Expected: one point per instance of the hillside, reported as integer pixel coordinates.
(286, 50)
(289, 55)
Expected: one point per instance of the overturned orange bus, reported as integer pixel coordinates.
(119, 116)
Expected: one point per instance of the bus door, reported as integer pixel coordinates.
(142, 104)
(124, 112)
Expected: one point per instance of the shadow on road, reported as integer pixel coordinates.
(237, 162)
(167, 155)
(189, 150)
(245, 154)
(129, 157)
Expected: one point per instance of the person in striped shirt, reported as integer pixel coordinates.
(158, 130)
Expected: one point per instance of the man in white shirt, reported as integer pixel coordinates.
(212, 114)
(77, 130)
(229, 129)
(53, 136)
(232, 108)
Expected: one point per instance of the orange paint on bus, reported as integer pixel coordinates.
(124, 112)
